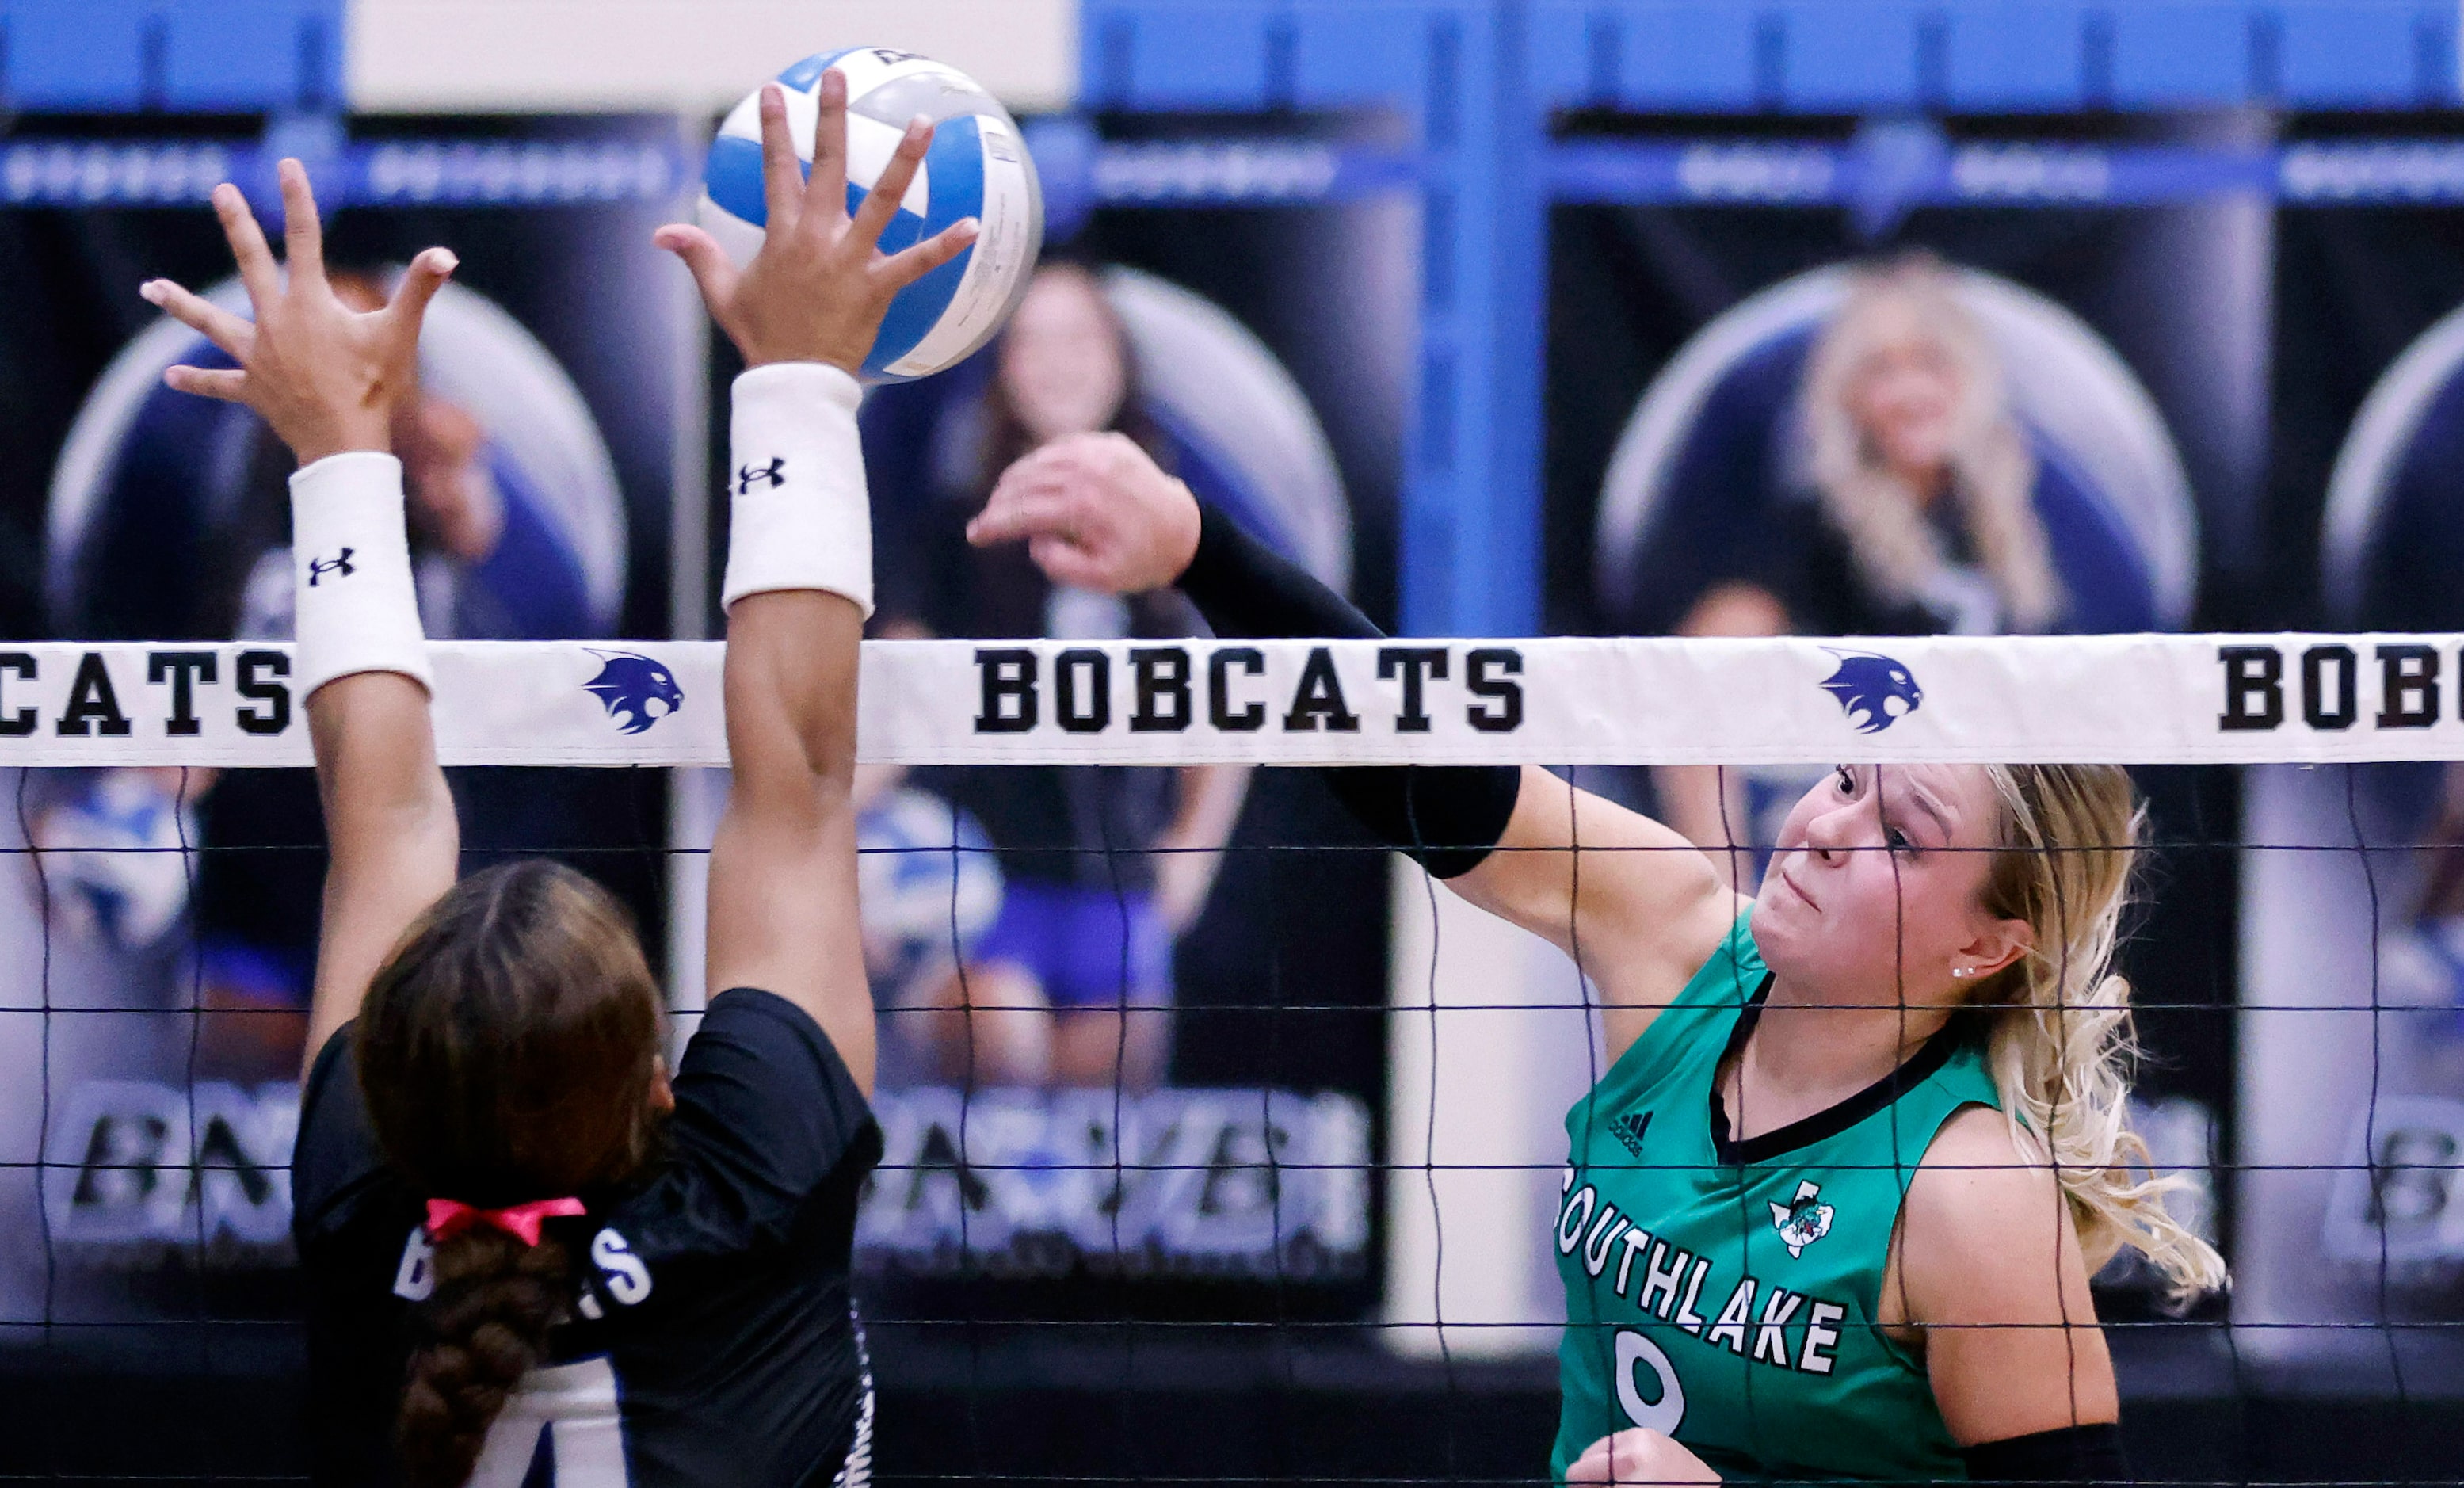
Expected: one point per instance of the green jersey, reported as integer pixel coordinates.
(1726, 1292)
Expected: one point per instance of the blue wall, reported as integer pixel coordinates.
(1803, 55)
(170, 55)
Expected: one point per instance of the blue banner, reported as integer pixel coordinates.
(1880, 175)
(391, 173)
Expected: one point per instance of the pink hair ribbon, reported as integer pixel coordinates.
(448, 1217)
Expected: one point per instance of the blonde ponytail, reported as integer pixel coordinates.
(2062, 1048)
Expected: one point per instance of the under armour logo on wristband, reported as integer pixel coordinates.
(774, 473)
(340, 565)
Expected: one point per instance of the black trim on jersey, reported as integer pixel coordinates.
(1919, 1067)
(2066, 1454)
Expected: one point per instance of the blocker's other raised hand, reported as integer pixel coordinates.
(818, 289)
(327, 377)
(1096, 513)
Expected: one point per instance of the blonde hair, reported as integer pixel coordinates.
(1992, 472)
(2060, 1046)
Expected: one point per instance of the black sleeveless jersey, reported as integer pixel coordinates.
(713, 1339)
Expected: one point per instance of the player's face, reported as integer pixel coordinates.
(1062, 361)
(1906, 395)
(1876, 889)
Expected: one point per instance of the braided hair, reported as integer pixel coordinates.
(508, 1052)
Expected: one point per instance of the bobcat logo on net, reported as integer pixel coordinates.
(1874, 690)
(636, 690)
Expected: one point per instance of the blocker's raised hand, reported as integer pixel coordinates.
(327, 377)
(818, 289)
(1096, 513)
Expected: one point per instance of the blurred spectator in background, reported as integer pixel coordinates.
(1911, 510)
(489, 561)
(487, 568)
(154, 1012)
(1102, 866)
(171, 520)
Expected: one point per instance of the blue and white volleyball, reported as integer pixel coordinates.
(116, 857)
(977, 168)
(928, 885)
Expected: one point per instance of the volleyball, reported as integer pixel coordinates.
(116, 855)
(977, 168)
(928, 882)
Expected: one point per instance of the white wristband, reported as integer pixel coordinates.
(350, 564)
(799, 517)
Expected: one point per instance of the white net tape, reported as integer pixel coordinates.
(2136, 699)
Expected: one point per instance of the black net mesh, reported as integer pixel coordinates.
(1260, 1173)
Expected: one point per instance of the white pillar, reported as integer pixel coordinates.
(696, 797)
(1490, 1040)
(698, 55)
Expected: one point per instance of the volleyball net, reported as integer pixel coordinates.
(1264, 1086)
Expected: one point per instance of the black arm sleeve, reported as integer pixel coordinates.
(2067, 1455)
(1447, 817)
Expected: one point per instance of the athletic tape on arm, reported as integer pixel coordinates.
(2141, 699)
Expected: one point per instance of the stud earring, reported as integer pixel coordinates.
(1962, 970)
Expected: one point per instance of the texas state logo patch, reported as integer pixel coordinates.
(1803, 1219)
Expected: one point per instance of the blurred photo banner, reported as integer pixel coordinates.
(2113, 310)
(157, 925)
(2353, 1031)
(1127, 1036)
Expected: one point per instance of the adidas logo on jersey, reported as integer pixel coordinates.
(1629, 1128)
(1803, 1219)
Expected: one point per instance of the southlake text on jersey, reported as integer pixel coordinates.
(1673, 1282)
